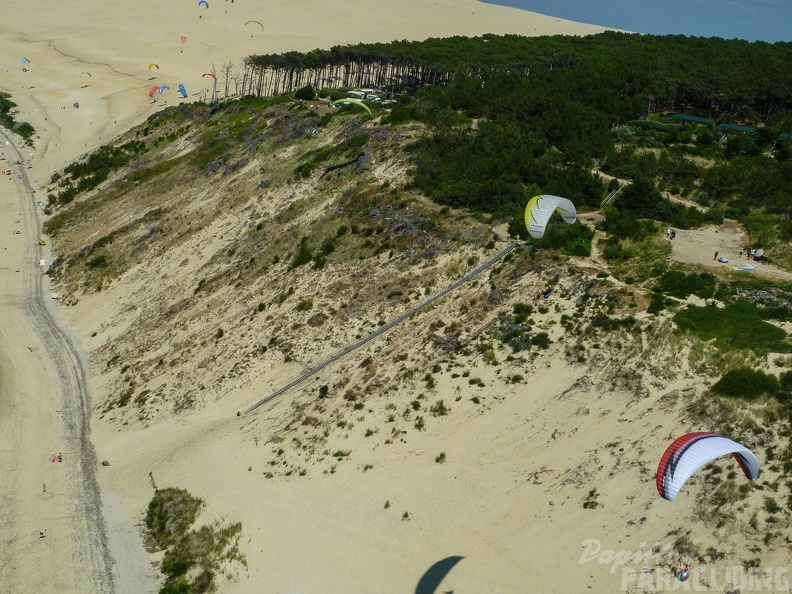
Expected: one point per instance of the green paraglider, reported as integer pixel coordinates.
(351, 101)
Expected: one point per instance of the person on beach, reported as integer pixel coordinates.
(715, 257)
(742, 251)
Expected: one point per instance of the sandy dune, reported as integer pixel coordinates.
(43, 404)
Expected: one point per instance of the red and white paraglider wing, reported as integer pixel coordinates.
(692, 451)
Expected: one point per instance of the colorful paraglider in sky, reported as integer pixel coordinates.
(692, 451)
(541, 208)
(153, 90)
(85, 73)
(153, 65)
(351, 101)
(182, 90)
(162, 89)
(209, 74)
(183, 39)
(25, 61)
(204, 2)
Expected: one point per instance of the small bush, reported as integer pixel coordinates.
(439, 409)
(746, 383)
(170, 513)
(303, 256)
(305, 93)
(304, 305)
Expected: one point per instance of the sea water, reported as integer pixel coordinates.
(752, 20)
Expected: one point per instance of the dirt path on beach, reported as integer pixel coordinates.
(44, 410)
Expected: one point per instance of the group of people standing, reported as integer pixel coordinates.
(670, 233)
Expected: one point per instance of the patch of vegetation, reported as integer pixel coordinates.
(439, 409)
(346, 150)
(193, 557)
(607, 323)
(739, 325)
(591, 501)
(303, 256)
(746, 383)
(170, 514)
(679, 284)
(88, 174)
(24, 129)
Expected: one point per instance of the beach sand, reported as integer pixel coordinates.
(509, 496)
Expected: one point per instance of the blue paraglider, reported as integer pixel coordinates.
(182, 90)
(162, 89)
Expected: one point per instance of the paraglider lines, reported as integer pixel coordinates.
(359, 343)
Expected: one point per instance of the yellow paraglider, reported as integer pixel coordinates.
(351, 101)
(153, 65)
(86, 74)
(541, 208)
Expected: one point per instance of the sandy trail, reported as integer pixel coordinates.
(44, 409)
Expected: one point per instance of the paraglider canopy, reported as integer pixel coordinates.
(204, 2)
(182, 90)
(153, 65)
(541, 208)
(153, 90)
(25, 61)
(209, 74)
(85, 73)
(162, 89)
(254, 23)
(692, 451)
(183, 39)
(351, 101)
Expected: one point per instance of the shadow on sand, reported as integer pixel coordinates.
(435, 574)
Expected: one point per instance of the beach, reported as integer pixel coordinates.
(508, 493)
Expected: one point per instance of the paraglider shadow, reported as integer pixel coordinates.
(435, 574)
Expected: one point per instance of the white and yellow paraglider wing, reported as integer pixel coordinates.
(541, 208)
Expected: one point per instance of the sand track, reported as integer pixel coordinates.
(44, 408)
